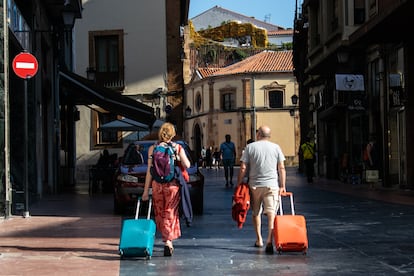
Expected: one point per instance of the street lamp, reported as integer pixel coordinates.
(294, 99)
(68, 18)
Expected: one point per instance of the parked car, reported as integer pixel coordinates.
(129, 178)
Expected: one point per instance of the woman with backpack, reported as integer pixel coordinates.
(166, 195)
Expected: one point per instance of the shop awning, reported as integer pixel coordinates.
(78, 90)
(124, 124)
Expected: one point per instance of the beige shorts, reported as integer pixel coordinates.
(264, 199)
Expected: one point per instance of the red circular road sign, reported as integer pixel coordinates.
(25, 65)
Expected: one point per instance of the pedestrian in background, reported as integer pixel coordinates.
(228, 155)
(203, 157)
(267, 179)
(370, 154)
(307, 150)
(209, 157)
(166, 195)
(216, 158)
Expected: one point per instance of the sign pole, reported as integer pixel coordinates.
(26, 213)
(25, 66)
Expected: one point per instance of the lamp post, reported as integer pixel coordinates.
(294, 99)
(292, 113)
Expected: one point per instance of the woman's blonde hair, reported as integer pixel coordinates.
(166, 132)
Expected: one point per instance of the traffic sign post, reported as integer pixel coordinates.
(25, 66)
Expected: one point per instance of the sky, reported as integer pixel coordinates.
(277, 12)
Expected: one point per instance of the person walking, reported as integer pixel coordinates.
(166, 195)
(216, 158)
(203, 157)
(209, 157)
(370, 154)
(308, 154)
(267, 179)
(228, 155)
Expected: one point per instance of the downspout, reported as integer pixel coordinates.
(252, 100)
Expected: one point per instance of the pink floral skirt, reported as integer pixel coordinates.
(166, 200)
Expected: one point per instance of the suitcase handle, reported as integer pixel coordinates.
(292, 207)
(139, 204)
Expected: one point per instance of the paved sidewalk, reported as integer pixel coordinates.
(69, 234)
(75, 234)
(375, 192)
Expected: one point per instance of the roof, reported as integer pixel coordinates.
(263, 62)
(215, 16)
(280, 32)
(207, 71)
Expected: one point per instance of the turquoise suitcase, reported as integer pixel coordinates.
(138, 235)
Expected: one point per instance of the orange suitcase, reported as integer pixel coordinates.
(289, 231)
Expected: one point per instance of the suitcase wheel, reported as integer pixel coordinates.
(147, 255)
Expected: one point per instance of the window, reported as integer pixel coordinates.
(106, 56)
(359, 12)
(275, 99)
(104, 138)
(314, 12)
(274, 95)
(107, 136)
(227, 101)
(198, 102)
(333, 15)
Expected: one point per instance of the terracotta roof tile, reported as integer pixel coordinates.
(263, 62)
(207, 71)
(266, 61)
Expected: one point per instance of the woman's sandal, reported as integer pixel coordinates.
(256, 244)
(168, 251)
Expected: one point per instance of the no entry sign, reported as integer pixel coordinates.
(25, 65)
